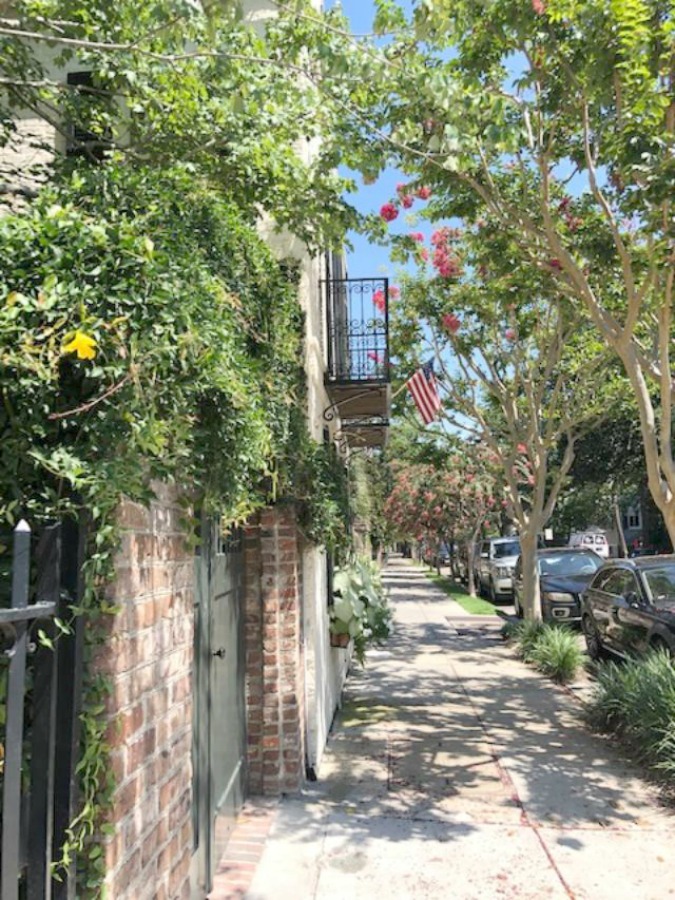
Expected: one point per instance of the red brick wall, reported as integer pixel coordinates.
(274, 654)
(148, 656)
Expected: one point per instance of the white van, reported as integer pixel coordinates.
(591, 540)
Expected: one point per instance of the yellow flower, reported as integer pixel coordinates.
(82, 344)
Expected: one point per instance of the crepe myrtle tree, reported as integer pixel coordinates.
(520, 370)
(449, 502)
(558, 116)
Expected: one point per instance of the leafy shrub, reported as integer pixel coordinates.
(527, 636)
(635, 701)
(551, 649)
(360, 607)
(556, 653)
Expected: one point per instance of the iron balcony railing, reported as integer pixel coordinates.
(357, 311)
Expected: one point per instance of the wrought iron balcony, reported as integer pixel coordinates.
(357, 375)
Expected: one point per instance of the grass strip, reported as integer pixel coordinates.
(474, 605)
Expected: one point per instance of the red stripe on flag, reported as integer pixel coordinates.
(424, 392)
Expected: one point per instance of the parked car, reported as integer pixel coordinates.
(564, 572)
(496, 562)
(591, 540)
(629, 606)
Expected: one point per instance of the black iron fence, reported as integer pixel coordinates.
(357, 310)
(40, 695)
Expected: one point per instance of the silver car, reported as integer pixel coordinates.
(496, 562)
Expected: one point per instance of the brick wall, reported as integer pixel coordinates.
(274, 654)
(148, 656)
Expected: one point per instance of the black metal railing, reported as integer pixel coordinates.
(40, 690)
(357, 311)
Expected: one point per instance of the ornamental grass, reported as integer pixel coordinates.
(635, 701)
(552, 649)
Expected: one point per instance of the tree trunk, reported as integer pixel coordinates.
(531, 595)
(470, 581)
(622, 548)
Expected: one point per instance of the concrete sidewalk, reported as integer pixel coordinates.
(453, 771)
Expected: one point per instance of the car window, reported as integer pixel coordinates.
(510, 548)
(661, 583)
(584, 562)
(621, 583)
(601, 579)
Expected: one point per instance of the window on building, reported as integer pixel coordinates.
(633, 518)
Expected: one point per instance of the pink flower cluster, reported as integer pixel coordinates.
(451, 323)
(573, 222)
(389, 212)
(405, 199)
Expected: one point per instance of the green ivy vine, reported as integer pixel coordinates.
(146, 332)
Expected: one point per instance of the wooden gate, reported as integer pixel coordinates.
(219, 736)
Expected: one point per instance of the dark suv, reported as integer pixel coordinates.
(629, 606)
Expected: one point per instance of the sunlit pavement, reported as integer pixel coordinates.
(453, 771)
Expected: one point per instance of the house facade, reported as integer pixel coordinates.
(223, 682)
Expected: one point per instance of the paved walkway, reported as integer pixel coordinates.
(453, 771)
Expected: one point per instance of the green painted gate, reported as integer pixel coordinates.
(219, 732)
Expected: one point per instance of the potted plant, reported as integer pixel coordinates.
(360, 611)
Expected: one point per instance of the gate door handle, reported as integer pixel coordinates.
(220, 653)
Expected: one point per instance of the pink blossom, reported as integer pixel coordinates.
(394, 292)
(521, 448)
(451, 323)
(424, 253)
(379, 300)
(401, 188)
(530, 479)
(423, 192)
(539, 7)
(416, 236)
(389, 212)
(555, 264)
(510, 334)
(505, 503)
(375, 356)
(407, 201)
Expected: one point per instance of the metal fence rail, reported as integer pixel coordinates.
(42, 681)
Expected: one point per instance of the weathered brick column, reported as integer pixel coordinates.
(148, 658)
(274, 654)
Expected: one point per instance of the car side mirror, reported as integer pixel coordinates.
(632, 599)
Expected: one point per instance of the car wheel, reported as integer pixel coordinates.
(593, 642)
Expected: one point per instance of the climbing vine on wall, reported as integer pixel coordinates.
(146, 332)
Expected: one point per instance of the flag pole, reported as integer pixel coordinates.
(400, 390)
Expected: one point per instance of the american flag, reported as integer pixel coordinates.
(424, 390)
